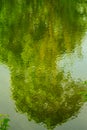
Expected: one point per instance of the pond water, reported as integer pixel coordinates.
(43, 60)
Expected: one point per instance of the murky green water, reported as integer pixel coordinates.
(43, 59)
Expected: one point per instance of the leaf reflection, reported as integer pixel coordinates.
(31, 39)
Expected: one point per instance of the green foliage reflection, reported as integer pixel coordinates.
(32, 35)
(4, 119)
(45, 96)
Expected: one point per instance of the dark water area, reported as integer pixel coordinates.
(43, 60)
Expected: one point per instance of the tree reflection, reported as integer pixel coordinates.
(45, 96)
(31, 38)
(59, 20)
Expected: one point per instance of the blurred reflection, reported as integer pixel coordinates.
(45, 96)
(31, 39)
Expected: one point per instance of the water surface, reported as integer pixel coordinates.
(43, 58)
